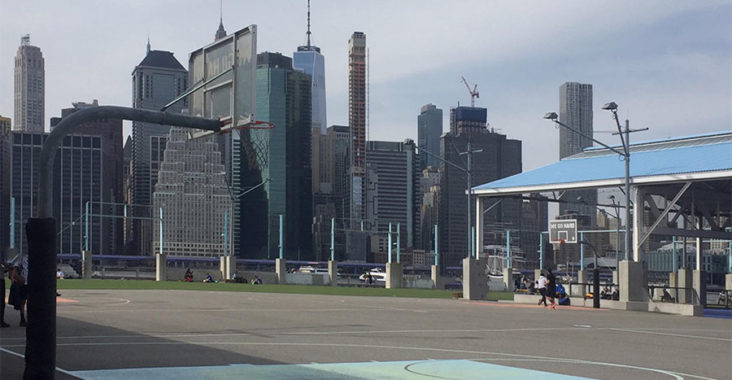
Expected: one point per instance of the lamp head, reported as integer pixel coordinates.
(610, 106)
(551, 116)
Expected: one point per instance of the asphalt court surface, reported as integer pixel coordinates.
(171, 334)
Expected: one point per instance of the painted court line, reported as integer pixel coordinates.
(518, 357)
(671, 334)
(408, 370)
(23, 357)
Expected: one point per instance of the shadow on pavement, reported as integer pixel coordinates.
(86, 346)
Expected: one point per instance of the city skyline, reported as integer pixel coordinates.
(650, 58)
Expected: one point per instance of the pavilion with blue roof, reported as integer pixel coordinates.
(684, 181)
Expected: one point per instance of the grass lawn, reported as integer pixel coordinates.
(293, 289)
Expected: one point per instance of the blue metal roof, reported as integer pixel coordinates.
(697, 154)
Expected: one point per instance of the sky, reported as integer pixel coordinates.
(667, 64)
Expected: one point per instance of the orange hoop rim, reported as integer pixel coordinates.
(258, 124)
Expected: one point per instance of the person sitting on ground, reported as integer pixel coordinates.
(605, 293)
(666, 297)
(208, 278)
(562, 296)
(256, 280)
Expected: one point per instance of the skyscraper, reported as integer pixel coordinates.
(393, 191)
(495, 156)
(195, 199)
(575, 110)
(109, 132)
(429, 130)
(308, 58)
(30, 87)
(357, 122)
(157, 80)
(283, 162)
(5, 148)
(77, 179)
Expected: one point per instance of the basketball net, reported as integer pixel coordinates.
(254, 138)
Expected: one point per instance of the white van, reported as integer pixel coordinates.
(377, 274)
(312, 270)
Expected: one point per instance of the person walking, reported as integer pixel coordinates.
(551, 288)
(541, 287)
(2, 297)
(18, 292)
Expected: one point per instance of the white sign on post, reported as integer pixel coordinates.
(563, 231)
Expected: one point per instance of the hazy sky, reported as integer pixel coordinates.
(668, 64)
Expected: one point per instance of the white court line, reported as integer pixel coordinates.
(361, 346)
(359, 332)
(670, 373)
(303, 333)
(671, 334)
(207, 311)
(23, 356)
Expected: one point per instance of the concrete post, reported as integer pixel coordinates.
(728, 281)
(633, 281)
(508, 279)
(699, 281)
(225, 267)
(475, 281)
(86, 265)
(281, 271)
(684, 280)
(638, 220)
(436, 277)
(615, 277)
(394, 275)
(333, 272)
(580, 290)
(161, 266)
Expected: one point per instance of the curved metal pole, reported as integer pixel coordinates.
(40, 354)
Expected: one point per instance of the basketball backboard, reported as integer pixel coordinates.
(222, 80)
(563, 231)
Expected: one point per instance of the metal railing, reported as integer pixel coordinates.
(674, 294)
(608, 291)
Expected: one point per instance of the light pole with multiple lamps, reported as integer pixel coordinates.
(469, 191)
(625, 153)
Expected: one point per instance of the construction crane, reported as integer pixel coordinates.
(473, 93)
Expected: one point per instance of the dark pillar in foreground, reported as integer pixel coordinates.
(40, 334)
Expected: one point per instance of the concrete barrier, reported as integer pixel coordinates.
(308, 278)
(281, 271)
(655, 307)
(394, 274)
(475, 280)
(161, 267)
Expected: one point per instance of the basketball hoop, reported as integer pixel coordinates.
(258, 124)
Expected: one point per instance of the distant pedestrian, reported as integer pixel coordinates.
(18, 292)
(2, 296)
(551, 287)
(541, 287)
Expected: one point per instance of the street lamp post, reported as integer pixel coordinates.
(625, 153)
(469, 190)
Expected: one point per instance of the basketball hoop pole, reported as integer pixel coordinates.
(40, 354)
